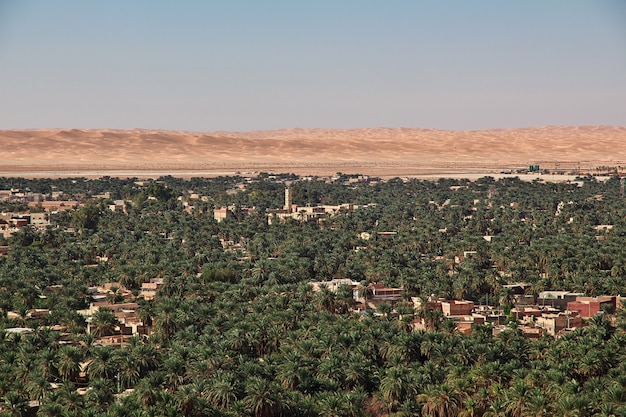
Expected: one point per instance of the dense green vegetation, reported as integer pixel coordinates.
(243, 334)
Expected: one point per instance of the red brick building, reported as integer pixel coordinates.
(590, 306)
(457, 308)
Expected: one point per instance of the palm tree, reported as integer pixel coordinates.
(128, 371)
(496, 409)
(50, 409)
(394, 386)
(330, 369)
(149, 390)
(100, 394)
(591, 364)
(102, 364)
(187, 400)
(260, 272)
(384, 309)
(439, 401)
(364, 292)
(222, 391)
(290, 372)
(326, 299)
(114, 296)
(354, 402)
(146, 357)
(70, 398)
(609, 410)
(616, 395)
(87, 341)
(357, 372)
(69, 363)
(37, 387)
(175, 371)
(262, 397)
(506, 297)
(47, 363)
(516, 399)
(432, 319)
(344, 298)
(601, 323)
(103, 322)
(15, 404)
(331, 404)
(571, 405)
(471, 408)
(145, 313)
(165, 320)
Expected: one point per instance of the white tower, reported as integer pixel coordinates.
(288, 204)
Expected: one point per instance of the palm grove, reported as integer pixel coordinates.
(244, 334)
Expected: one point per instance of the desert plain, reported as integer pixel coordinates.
(381, 152)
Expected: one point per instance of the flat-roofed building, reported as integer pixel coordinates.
(557, 299)
(457, 308)
(554, 323)
(590, 306)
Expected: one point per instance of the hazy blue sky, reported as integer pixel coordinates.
(243, 65)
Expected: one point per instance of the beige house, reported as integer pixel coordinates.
(554, 323)
(150, 289)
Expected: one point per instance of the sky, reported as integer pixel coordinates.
(242, 65)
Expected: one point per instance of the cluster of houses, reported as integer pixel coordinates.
(129, 323)
(11, 222)
(113, 296)
(553, 312)
(54, 201)
(375, 295)
(289, 211)
(42, 208)
(46, 205)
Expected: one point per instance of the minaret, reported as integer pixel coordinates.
(288, 205)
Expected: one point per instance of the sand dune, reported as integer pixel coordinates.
(303, 150)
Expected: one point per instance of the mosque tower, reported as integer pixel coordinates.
(288, 200)
(288, 204)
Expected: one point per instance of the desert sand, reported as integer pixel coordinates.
(373, 151)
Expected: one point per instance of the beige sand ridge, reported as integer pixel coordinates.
(299, 150)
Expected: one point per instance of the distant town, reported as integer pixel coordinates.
(245, 263)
